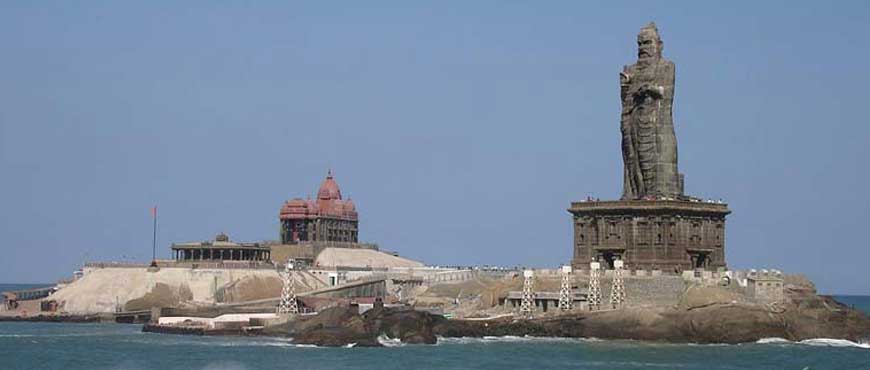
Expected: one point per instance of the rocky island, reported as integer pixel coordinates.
(649, 266)
(698, 314)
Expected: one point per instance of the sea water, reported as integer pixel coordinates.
(124, 347)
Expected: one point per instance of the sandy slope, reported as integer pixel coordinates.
(102, 290)
(361, 258)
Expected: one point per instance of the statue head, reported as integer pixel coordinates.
(649, 44)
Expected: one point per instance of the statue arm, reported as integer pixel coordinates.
(624, 82)
(664, 84)
(656, 91)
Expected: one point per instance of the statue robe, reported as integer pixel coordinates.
(649, 144)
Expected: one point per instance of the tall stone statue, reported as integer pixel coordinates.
(608, 231)
(649, 145)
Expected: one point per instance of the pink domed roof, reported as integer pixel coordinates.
(296, 208)
(329, 188)
(328, 203)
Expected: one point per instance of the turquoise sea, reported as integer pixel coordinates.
(124, 347)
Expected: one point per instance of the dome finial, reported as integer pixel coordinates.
(329, 188)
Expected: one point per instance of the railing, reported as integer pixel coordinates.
(102, 265)
(31, 294)
(450, 276)
(186, 264)
(698, 206)
(338, 244)
(244, 265)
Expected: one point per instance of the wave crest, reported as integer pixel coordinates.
(819, 342)
(510, 339)
(386, 341)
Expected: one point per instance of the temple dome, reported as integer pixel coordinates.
(328, 203)
(298, 208)
(349, 206)
(329, 189)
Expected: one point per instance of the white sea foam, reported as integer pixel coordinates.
(268, 343)
(819, 342)
(307, 346)
(221, 342)
(510, 339)
(834, 343)
(773, 340)
(826, 342)
(386, 341)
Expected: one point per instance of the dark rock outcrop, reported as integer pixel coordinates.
(718, 323)
(412, 327)
(339, 326)
(161, 295)
(705, 315)
(702, 322)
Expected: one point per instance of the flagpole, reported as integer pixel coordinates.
(154, 239)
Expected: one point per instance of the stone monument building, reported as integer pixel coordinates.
(655, 225)
(221, 249)
(329, 218)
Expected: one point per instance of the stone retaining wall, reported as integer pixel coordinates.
(643, 291)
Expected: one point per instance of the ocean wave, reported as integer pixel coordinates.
(819, 342)
(386, 341)
(773, 340)
(213, 342)
(275, 342)
(511, 339)
(827, 342)
(70, 335)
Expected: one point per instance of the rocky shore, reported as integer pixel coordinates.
(339, 326)
(814, 317)
(726, 323)
(664, 308)
(694, 314)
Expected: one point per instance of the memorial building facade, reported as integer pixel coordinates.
(221, 249)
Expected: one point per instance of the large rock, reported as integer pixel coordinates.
(250, 288)
(697, 296)
(409, 326)
(339, 326)
(706, 323)
(161, 295)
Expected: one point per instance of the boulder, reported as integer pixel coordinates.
(161, 295)
(703, 323)
(340, 326)
(698, 296)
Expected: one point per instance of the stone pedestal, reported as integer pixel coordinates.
(667, 235)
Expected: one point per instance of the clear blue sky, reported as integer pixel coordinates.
(462, 129)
